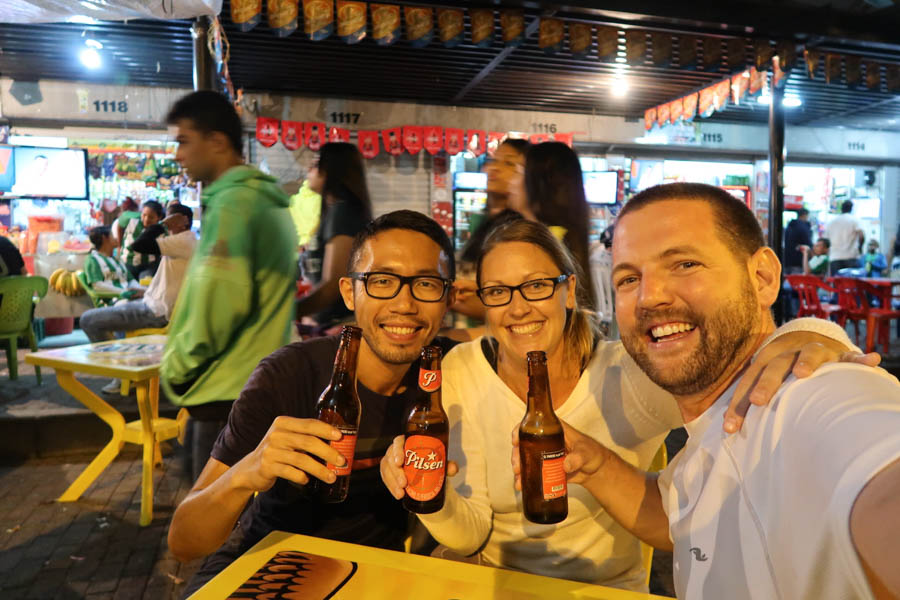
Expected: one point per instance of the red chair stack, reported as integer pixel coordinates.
(853, 296)
(807, 287)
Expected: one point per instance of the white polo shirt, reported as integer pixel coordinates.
(765, 513)
(176, 251)
(841, 232)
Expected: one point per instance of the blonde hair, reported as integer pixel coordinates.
(581, 329)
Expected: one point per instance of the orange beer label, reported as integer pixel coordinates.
(424, 466)
(553, 474)
(346, 446)
(429, 381)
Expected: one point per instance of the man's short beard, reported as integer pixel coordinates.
(397, 357)
(722, 336)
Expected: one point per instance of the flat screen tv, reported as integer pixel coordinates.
(50, 173)
(601, 187)
(7, 169)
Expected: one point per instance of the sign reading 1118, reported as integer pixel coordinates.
(111, 106)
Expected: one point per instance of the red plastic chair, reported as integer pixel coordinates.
(807, 288)
(853, 295)
(852, 300)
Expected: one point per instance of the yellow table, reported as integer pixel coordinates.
(135, 359)
(316, 569)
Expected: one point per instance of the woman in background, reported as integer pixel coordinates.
(339, 176)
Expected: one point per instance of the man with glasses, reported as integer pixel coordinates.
(399, 286)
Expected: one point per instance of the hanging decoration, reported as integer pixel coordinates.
(607, 43)
(635, 46)
(512, 22)
(778, 74)
(740, 83)
(873, 75)
(662, 49)
(787, 56)
(246, 14)
(351, 21)
(413, 138)
(385, 24)
(292, 134)
(476, 141)
(482, 21)
(687, 52)
(267, 131)
(707, 104)
(757, 81)
(662, 114)
(649, 118)
(315, 135)
(764, 54)
(832, 68)
(453, 140)
(338, 134)
(580, 35)
(450, 26)
(722, 93)
(676, 107)
(689, 104)
(318, 19)
(550, 35)
(734, 49)
(419, 25)
(392, 139)
(494, 140)
(283, 16)
(434, 139)
(712, 53)
(853, 67)
(811, 57)
(892, 77)
(368, 143)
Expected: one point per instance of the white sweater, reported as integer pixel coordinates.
(614, 402)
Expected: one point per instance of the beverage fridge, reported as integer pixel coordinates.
(469, 205)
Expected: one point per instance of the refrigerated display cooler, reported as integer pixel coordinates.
(469, 205)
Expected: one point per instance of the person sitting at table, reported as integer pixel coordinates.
(103, 271)
(817, 264)
(873, 261)
(805, 502)
(531, 287)
(272, 440)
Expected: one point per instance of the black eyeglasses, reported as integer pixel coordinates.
(384, 286)
(536, 289)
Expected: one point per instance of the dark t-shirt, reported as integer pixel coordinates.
(11, 262)
(339, 218)
(795, 234)
(289, 382)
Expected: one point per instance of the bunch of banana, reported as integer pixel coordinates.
(65, 282)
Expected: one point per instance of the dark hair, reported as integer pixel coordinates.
(581, 324)
(846, 206)
(345, 177)
(129, 204)
(802, 212)
(98, 234)
(209, 112)
(520, 145)
(181, 209)
(403, 219)
(472, 250)
(554, 186)
(156, 206)
(825, 241)
(738, 227)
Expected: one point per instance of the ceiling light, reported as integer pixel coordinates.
(92, 43)
(791, 102)
(82, 20)
(764, 99)
(90, 58)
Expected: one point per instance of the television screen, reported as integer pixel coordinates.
(50, 173)
(601, 187)
(7, 168)
(469, 180)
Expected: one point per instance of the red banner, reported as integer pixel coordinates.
(267, 131)
(689, 107)
(707, 102)
(649, 118)
(368, 143)
(338, 134)
(662, 114)
(740, 83)
(539, 138)
(315, 135)
(292, 134)
(434, 139)
(476, 141)
(723, 92)
(482, 20)
(778, 74)
(675, 110)
(453, 140)
(392, 139)
(493, 141)
(412, 138)
(757, 81)
(566, 138)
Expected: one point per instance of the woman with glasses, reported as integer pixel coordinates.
(533, 297)
(339, 176)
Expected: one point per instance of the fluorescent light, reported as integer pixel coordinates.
(83, 20)
(92, 43)
(787, 101)
(764, 99)
(619, 88)
(90, 58)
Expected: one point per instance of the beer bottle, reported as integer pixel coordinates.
(339, 406)
(425, 448)
(542, 450)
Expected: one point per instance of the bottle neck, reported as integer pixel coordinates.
(430, 382)
(538, 388)
(345, 362)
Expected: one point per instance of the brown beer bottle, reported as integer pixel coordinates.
(339, 406)
(542, 450)
(425, 448)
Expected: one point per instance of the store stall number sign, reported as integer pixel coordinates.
(349, 118)
(544, 127)
(108, 106)
(712, 138)
(860, 146)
